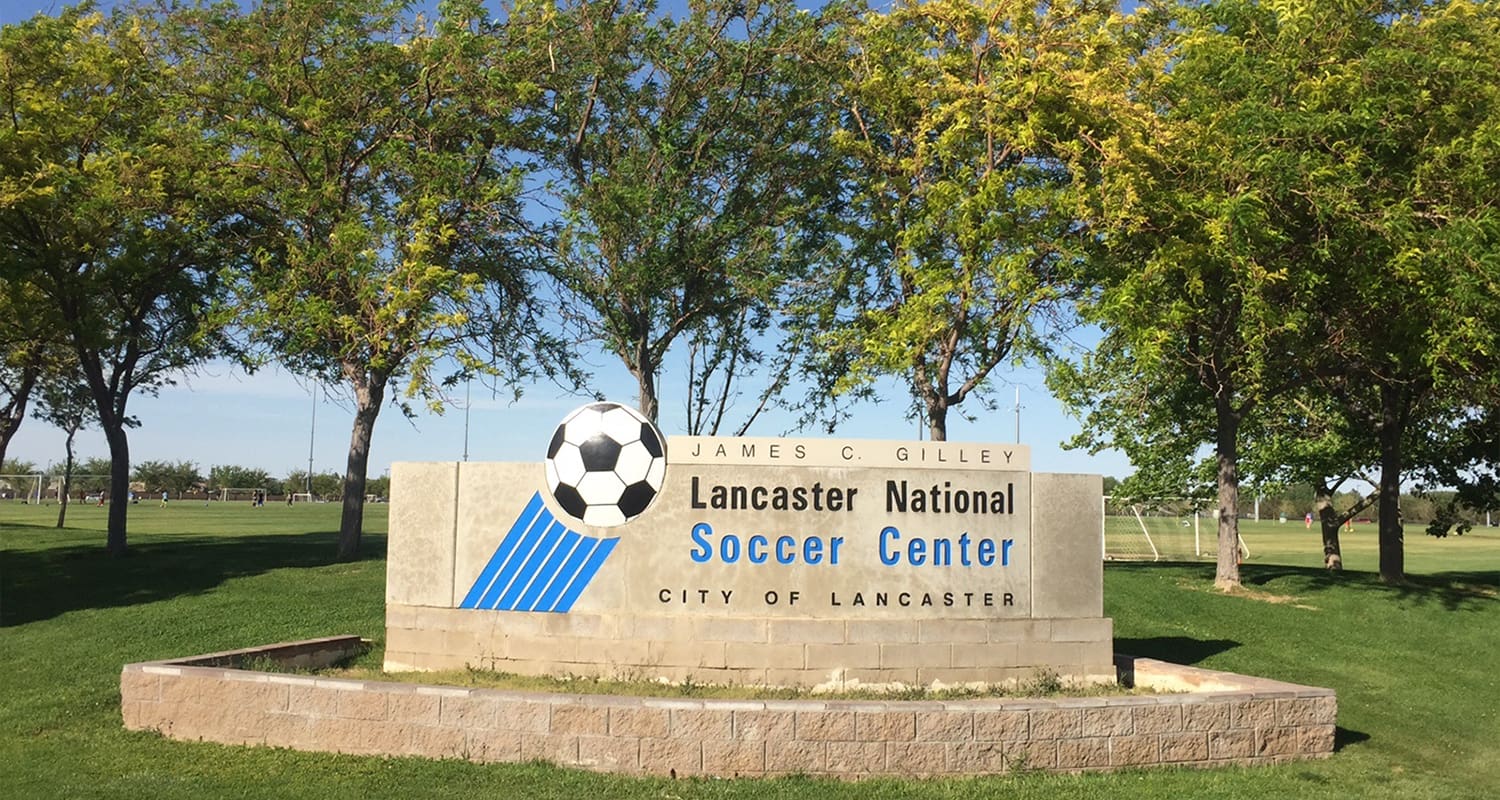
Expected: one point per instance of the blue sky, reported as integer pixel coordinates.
(219, 415)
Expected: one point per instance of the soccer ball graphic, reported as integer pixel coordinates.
(605, 464)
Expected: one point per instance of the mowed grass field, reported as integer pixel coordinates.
(1417, 668)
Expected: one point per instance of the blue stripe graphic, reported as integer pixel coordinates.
(539, 565)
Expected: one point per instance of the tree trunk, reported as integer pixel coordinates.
(1392, 538)
(1329, 522)
(67, 484)
(119, 485)
(650, 404)
(937, 421)
(13, 413)
(1227, 572)
(368, 398)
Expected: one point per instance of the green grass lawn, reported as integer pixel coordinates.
(1415, 667)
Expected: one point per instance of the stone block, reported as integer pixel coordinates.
(953, 630)
(1133, 751)
(1184, 747)
(776, 656)
(885, 726)
(856, 758)
(1238, 743)
(1067, 575)
(1210, 716)
(609, 753)
(1253, 713)
(1002, 726)
(579, 719)
(721, 629)
(486, 746)
(1108, 721)
(1062, 723)
(805, 631)
(369, 704)
(420, 544)
(916, 758)
(411, 707)
(1307, 711)
(688, 654)
(469, 713)
(978, 758)
(1088, 629)
(1317, 740)
(825, 726)
(521, 716)
(139, 685)
(760, 725)
(561, 749)
(1086, 753)
(1277, 741)
(1164, 718)
(842, 656)
(881, 631)
(698, 724)
(916, 655)
(784, 757)
(639, 723)
(1032, 755)
(734, 758)
(989, 654)
(944, 726)
(672, 756)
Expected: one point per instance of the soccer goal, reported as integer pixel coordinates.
(1160, 529)
(26, 488)
(232, 493)
(302, 497)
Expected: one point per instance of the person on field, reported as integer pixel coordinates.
(163, 496)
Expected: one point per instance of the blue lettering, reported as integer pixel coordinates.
(729, 549)
(702, 553)
(756, 551)
(785, 552)
(886, 556)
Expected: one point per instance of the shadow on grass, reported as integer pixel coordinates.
(1176, 649)
(1343, 737)
(1455, 591)
(41, 584)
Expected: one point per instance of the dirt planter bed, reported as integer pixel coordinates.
(1219, 718)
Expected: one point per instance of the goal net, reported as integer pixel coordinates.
(230, 493)
(1160, 529)
(26, 488)
(302, 497)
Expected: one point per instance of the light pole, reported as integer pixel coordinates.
(468, 387)
(311, 430)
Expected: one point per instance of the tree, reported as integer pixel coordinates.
(174, 477)
(229, 476)
(23, 354)
(111, 208)
(385, 206)
(66, 403)
(686, 173)
(958, 133)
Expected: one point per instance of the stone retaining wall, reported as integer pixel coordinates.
(1239, 720)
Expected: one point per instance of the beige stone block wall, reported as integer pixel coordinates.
(1249, 721)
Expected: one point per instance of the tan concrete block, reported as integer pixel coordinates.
(312, 701)
(825, 726)
(760, 725)
(398, 615)
(521, 716)
(906, 676)
(672, 756)
(1002, 726)
(944, 726)
(417, 708)
(1063, 723)
(1067, 575)
(139, 685)
(977, 758)
(1032, 755)
(579, 719)
(1253, 713)
(555, 649)
(842, 656)
(1134, 751)
(777, 656)
(469, 713)
(432, 741)
(796, 756)
(1158, 719)
(286, 730)
(1306, 711)
(419, 547)
(1087, 753)
(699, 724)
(916, 758)
(662, 629)
(1317, 739)
(805, 631)
(490, 746)
(427, 642)
(952, 630)
(579, 625)
(561, 749)
(846, 758)
(1231, 744)
(1183, 747)
(1277, 741)
(363, 737)
(734, 758)
(721, 629)
(995, 654)
(609, 753)
(885, 726)
(1206, 716)
(873, 631)
(1116, 721)
(689, 654)
(916, 655)
(1091, 629)
(636, 722)
(1019, 630)
(369, 704)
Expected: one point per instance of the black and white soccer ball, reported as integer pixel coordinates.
(606, 464)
